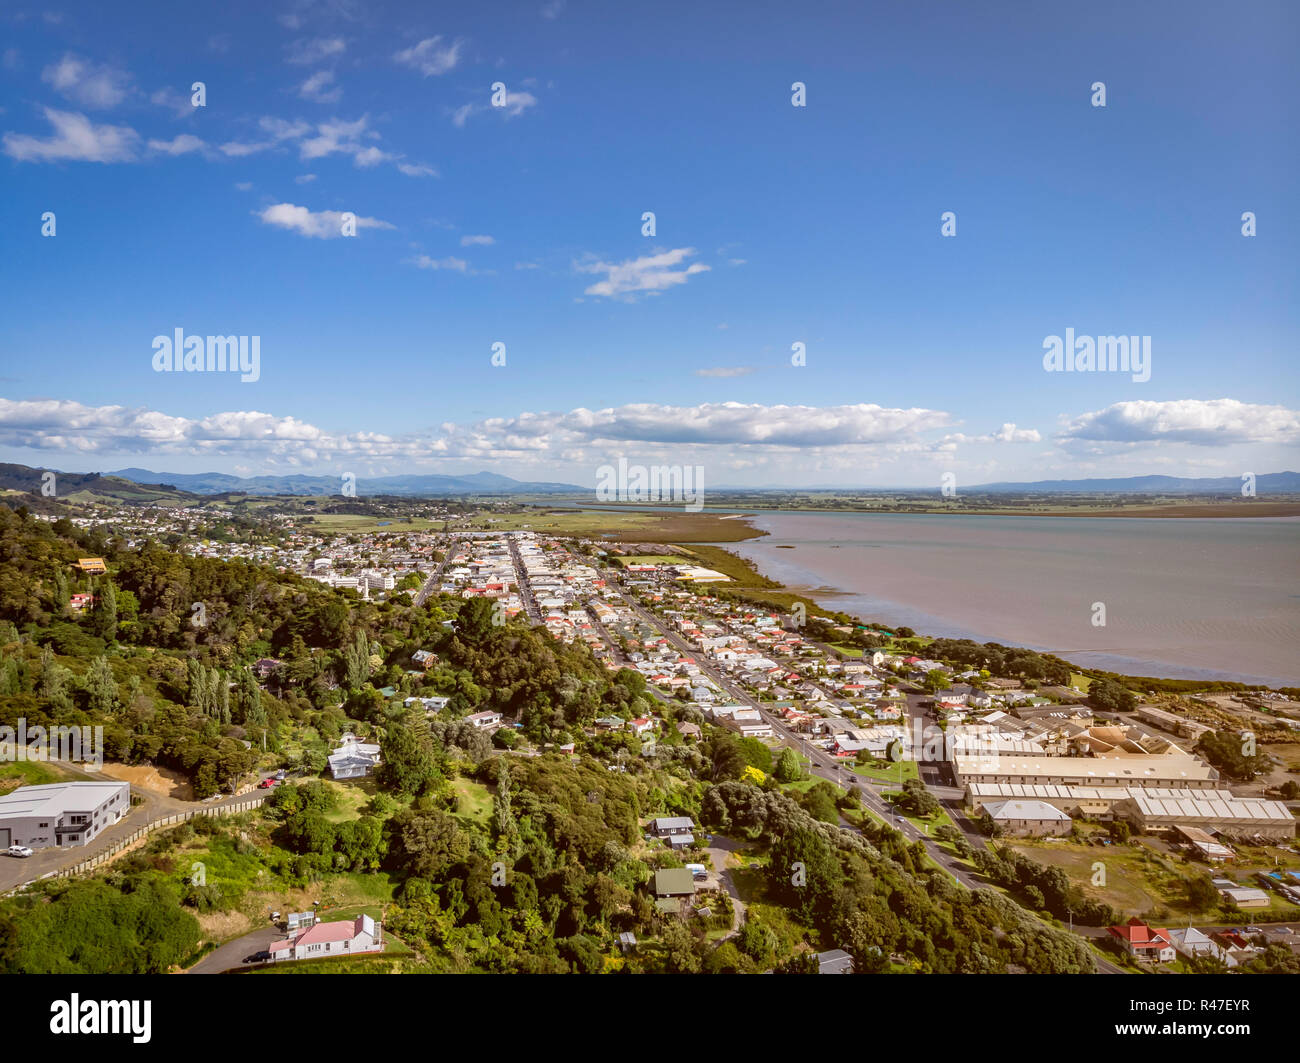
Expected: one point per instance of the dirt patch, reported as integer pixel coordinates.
(224, 926)
(155, 780)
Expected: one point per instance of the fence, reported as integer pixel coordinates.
(106, 855)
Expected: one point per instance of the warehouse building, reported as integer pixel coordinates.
(61, 814)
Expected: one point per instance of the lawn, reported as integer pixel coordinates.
(350, 799)
(888, 772)
(473, 800)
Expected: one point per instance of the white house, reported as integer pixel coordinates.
(484, 720)
(330, 939)
(353, 759)
(61, 814)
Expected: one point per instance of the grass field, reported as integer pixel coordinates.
(888, 773)
(1134, 882)
(473, 800)
(354, 522)
(616, 525)
(14, 774)
(349, 800)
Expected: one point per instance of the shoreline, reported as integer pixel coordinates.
(812, 597)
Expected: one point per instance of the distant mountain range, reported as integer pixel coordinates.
(142, 485)
(1265, 483)
(479, 483)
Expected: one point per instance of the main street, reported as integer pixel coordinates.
(435, 578)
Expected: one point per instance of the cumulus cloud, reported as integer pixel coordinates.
(649, 273)
(93, 85)
(72, 426)
(75, 139)
(320, 88)
(325, 224)
(1008, 433)
(1201, 422)
(179, 145)
(431, 57)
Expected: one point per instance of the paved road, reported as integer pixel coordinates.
(232, 953)
(435, 578)
(521, 581)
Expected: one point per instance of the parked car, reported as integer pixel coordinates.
(266, 784)
(18, 850)
(258, 957)
(281, 775)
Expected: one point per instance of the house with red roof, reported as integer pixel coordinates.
(346, 938)
(1143, 942)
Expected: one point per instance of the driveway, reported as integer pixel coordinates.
(718, 849)
(232, 953)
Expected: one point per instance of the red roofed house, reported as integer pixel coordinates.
(1144, 942)
(329, 939)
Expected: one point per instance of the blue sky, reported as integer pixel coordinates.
(775, 224)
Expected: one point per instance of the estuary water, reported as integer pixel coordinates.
(1182, 597)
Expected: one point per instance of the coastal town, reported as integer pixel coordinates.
(952, 759)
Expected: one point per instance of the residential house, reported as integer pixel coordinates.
(1143, 942)
(353, 759)
(348, 937)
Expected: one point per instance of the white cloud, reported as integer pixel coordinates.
(514, 104)
(177, 102)
(1008, 433)
(412, 169)
(179, 145)
(552, 8)
(75, 139)
(459, 265)
(64, 425)
(472, 241)
(306, 52)
(726, 371)
(325, 224)
(304, 179)
(431, 57)
(1202, 422)
(649, 273)
(320, 88)
(276, 128)
(97, 86)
